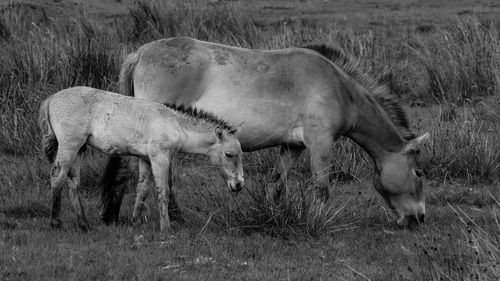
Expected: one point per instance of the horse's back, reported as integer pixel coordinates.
(269, 91)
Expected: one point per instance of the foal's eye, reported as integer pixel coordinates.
(229, 155)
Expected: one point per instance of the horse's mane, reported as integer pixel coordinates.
(380, 92)
(203, 115)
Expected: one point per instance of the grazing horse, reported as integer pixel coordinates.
(296, 98)
(117, 124)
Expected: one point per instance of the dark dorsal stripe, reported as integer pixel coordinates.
(200, 114)
(380, 92)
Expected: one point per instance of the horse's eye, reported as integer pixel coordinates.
(229, 155)
(419, 173)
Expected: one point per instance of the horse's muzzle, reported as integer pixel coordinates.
(237, 187)
(412, 220)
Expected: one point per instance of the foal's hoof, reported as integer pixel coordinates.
(55, 223)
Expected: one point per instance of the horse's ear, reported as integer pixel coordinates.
(238, 128)
(416, 142)
(423, 138)
(219, 133)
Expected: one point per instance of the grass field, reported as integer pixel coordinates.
(440, 57)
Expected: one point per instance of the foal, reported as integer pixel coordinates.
(116, 124)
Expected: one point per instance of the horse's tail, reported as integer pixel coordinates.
(126, 79)
(49, 140)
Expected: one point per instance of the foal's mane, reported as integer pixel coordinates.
(203, 115)
(380, 92)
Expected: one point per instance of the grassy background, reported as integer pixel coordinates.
(441, 59)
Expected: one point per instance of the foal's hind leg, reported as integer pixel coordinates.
(58, 175)
(73, 181)
(146, 181)
(288, 156)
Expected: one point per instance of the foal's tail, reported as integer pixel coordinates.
(49, 140)
(126, 79)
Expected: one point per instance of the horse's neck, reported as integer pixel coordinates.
(196, 142)
(374, 131)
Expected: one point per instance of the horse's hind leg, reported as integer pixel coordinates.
(146, 181)
(118, 171)
(288, 156)
(73, 184)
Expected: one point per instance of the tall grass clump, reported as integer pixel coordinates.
(226, 23)
(467, 147)
(42, 60)
(461, 61)
(297, 213)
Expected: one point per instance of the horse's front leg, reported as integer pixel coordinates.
(320, 149)
(288, 156)
(174, 211)
(160, 164)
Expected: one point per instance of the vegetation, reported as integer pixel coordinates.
(451, 73)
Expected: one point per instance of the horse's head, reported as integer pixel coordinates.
(225, 153)
(399, 180)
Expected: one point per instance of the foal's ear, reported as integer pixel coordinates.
(219, 133)
(416, 142)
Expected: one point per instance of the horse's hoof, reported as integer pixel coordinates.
(55, 223)
(272, 196)
(84, 227)
(322, 194)
(176, 216)
(106, 219)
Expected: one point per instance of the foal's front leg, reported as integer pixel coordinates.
(146, 181)
(160, 164)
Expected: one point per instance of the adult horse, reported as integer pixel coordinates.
(297, 98)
